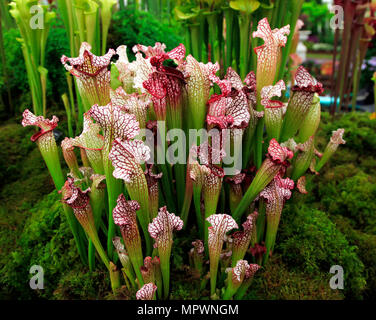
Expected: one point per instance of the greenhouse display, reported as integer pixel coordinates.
(188, 150)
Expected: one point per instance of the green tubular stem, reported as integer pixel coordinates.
(114, 188)
(52, 160)
(67, 107)
(259, 134)
(296, 8)
(214, 37)
(243, 289)
(180, 170)
(204, 282)
(141, 196)
(326, 156)
(159, 283)
(197, 203)
(187, 198)
(33, 82)
(71, 98)
(77, 235)
(236, 44)
(80, 106)
(164, 256)
(260, 222)
(43, 80)
(114, 278)
(91, 255)
(187, 39)
(174, 120)
(276, 14)
(245, 27)
(128, 274)
(261, 180)
(282, 12)
(229, 17)
(127, 284)
(213, 274)
(247, 146)
(166, 187)
(105, 27)
(135, 255)
(92, 233)
(222, 200)
(196, 40)
(271, 234)
(230, 289)
(252, 64)
(165, 168)
(258, 140)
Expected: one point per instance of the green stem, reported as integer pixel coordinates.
(67, 107)
(271, 234)
(229, 18)
(260, 222)
(245, 27)
(187, 199)
(213, 37)
(296, 6)
(213, 274)
(164, 256)
(196, 40)
(197, 203)
(91, 255)
(114, 188)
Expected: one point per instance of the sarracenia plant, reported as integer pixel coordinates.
(161, 229)
(47, 146)
(79, 201)
(220, 225)
(33, 21)
(218, 155)
(85, 21)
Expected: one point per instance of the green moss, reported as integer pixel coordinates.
(367, 251)
(309, 241)
(46, 241)
(360, 131)
(351, 197)
(279, 281)
(79, 284)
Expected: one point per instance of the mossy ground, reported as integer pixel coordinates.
(334, 224)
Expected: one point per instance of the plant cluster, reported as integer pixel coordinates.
(219, 30)
(141, 114)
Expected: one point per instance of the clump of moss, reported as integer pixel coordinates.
(352, 197)
(367, 251)
(360, 131)
(81, 284)
(46, 241)
(309, 241)
(279, 281)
